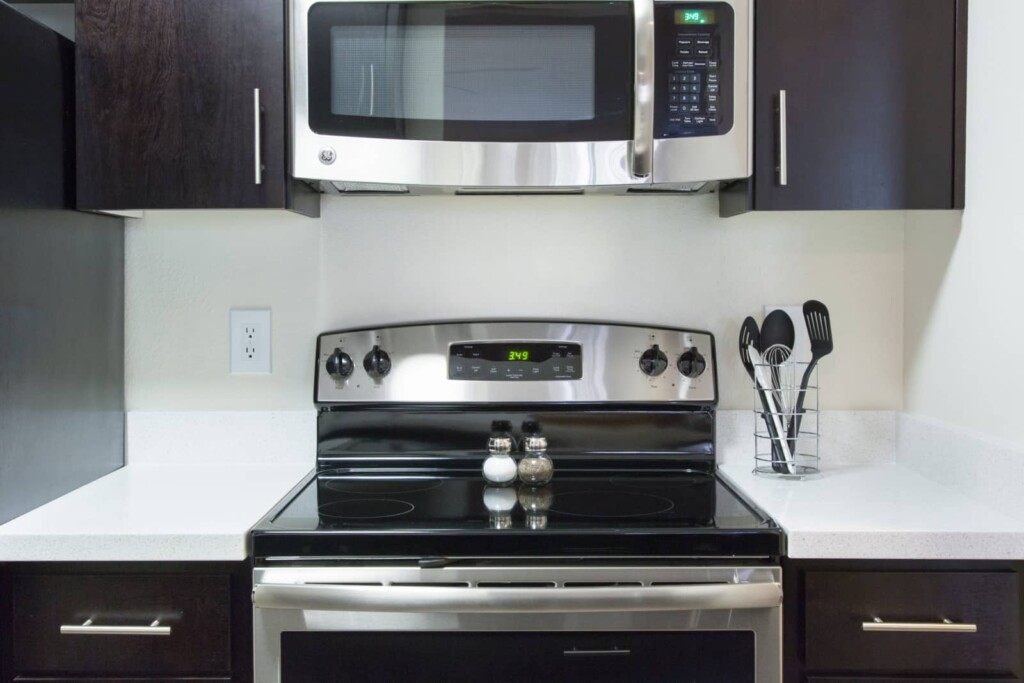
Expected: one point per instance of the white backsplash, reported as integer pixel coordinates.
(220, 437)
(848, 437)
(986, 468)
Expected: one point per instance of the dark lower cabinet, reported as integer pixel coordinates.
(858, 104)
(190, 621)
(906, 622)
(182, 104)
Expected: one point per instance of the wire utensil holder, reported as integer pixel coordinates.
(777, 453)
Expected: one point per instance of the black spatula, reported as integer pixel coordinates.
(819, 329)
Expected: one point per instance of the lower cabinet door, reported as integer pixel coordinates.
(903, 679)
(121, 625)
(949, 625)
(504, 657)
(23, 679)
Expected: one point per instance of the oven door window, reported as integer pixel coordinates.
(481, 71)
(507, 657)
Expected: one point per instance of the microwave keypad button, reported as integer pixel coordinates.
(712, 108)
(685, 52)
(703, 41)
(694, 109)
(675, 99)
(687, 120)
(712, 63)
(674, 77)
(712, 99)
(713, 119)
(684, 42)
(676, 87)
(703, 52)
(712, 79)
(700, 120)
(713, 89)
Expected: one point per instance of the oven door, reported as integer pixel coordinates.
(501, 624)
(521, 93)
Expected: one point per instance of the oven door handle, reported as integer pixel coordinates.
(350, 598)
(642, 153)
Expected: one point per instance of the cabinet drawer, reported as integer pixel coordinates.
(839, 604)
(196, 607)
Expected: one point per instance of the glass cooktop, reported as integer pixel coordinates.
(338, 513)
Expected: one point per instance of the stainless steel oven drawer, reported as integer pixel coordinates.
(511, 657)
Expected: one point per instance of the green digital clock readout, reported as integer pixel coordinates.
(695, 16)
(518, 354)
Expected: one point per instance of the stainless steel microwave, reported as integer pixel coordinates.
(516, 95)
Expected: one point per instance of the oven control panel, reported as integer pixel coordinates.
(693, 72)
(516, 362)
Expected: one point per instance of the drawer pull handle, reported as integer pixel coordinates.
(89, 629)
(944, 626)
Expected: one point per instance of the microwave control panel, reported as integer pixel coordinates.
(693, 71)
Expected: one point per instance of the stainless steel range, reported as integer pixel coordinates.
(398, 560)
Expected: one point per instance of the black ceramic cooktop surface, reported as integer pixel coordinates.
(672, 514)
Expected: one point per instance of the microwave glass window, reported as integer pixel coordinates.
(487, 72)
(464, 73)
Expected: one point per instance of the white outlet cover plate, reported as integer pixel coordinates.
(249, 340)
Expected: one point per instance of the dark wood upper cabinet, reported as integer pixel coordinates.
(874, 106)
(167, 106)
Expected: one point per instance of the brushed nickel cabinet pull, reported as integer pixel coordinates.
(944, 626)
(88, 628)
(256, 135)
(783, 142)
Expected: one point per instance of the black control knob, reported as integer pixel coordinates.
(339, 364)
(691, 363)
(653, 361)
(377, 362)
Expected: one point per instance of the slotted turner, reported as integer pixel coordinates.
(819, 329)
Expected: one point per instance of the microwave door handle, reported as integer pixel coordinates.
(643, 89)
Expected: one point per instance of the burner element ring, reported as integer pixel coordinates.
(366, 508)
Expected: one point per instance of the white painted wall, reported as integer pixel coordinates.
(964, 349)
(662, 260)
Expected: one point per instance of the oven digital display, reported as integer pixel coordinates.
(515, 361)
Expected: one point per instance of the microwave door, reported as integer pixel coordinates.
(473, 94)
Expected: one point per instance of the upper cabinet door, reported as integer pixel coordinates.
(181, 104)
(859, 104)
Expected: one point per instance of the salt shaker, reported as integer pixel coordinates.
(500, 467)
(536, 467)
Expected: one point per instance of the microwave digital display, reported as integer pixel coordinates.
(695, 16)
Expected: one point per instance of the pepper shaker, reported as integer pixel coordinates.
(536, 467)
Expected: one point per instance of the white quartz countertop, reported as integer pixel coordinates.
(153, 512)
(880, 511)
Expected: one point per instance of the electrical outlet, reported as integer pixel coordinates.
(250, 341)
